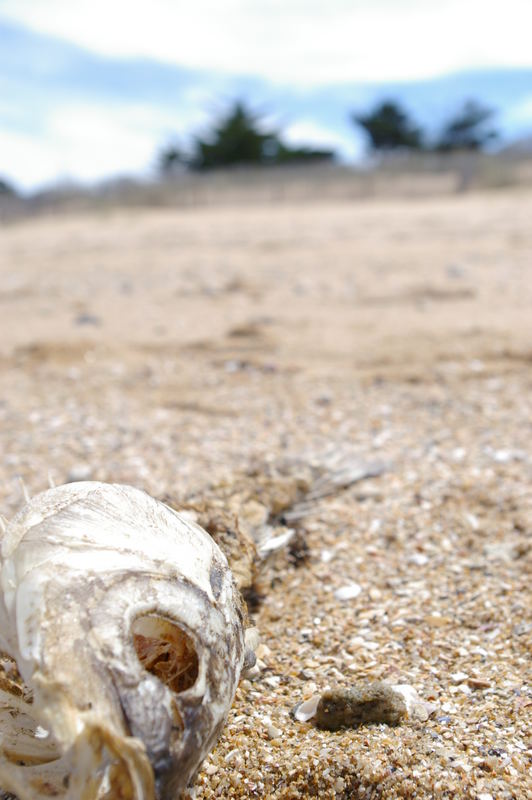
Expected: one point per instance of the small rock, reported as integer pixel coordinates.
(348, 592)
(263, 651)
(362, 705)
(455, 271)
(502, 456)
(459, 677)
(339, 785)
(252, 639)
(252, 673)
(272, 681)
(253, 514)
(472, 520)
(273, 732)
(359, 643)
(437, 621)
(88, 319)
(231, 755)
(309, 690)
(419, 559)
(79, 472)
(250, 662)
(478, 683)
(250, 657)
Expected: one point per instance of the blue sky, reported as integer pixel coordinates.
(90, 90)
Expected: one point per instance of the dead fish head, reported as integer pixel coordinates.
(126, 627)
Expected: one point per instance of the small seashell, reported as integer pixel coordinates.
(307, 709)
(348, 592)
(274, 543)
(416, 707)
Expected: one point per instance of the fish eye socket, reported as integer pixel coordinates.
(166, 650)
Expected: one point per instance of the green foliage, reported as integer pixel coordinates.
(171, 159)
(7, 189)
(236, 139)
(388, 127)
(299, 155)
(469, 129)
(239, 138)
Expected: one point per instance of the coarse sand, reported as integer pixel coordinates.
(174, 350)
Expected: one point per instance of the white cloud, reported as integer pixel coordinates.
(295, 41)
(88, 143)
(28, 160)
(520, 114)
(300, 42)
(307, 132)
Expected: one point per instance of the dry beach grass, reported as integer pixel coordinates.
(177, 349)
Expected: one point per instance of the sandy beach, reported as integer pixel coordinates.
(175, 349)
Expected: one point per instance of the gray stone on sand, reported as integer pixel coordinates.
(361, 705)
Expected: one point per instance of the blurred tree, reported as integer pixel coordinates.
(389, 128)
(469, 129)
(238, 138)
(300, 155)
(7, 189)
(171, 159)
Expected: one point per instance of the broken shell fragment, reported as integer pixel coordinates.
(307, 709)
(122, 639)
